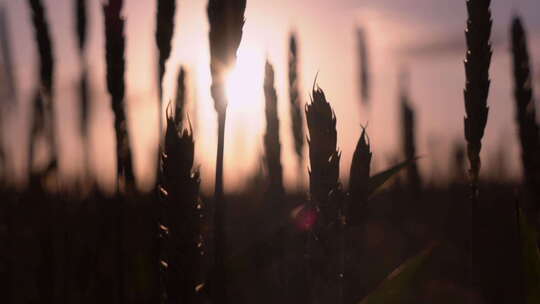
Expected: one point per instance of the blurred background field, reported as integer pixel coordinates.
(427, 38)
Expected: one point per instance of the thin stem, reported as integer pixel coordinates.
(220, 151)
(520, 250)
(160, 121)
(474, 214)
(10, 269)
(219, 218)
(341, 262)
(120, 250)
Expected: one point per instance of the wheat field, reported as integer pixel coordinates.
(245, 151)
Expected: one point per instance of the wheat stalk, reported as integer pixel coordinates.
(272, 145)
(84, 92)
(458, 161)
(525, 111)
(38, 124)
(408, 138)
(164, 32)
(324, 185)
(115, 48)
(297, 122)
(81, 29)
(226, 19)
(478, 60)
(44, 102)
(46, 72)
(180, 186)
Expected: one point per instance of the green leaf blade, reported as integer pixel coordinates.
(398, 287)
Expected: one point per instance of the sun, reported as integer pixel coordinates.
(245, 81)
(245, 113)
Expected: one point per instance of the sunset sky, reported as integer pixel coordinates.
(425, 36)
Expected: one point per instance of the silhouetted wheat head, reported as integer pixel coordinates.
(46, 68)
(272, 145)
(164, 33)
(43, 39)
(359, 180)
(525, 110)
(297, 122)
(81, 23)
(182, 216)
(115, 49)
(323, 154)
(477, 80)
(363, 68)
(84, 90)
(180, 103)
(226, 18)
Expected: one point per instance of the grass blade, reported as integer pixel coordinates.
(378, 180)
(399, 285)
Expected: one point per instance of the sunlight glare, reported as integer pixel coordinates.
(245, 82)
(245, 113)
